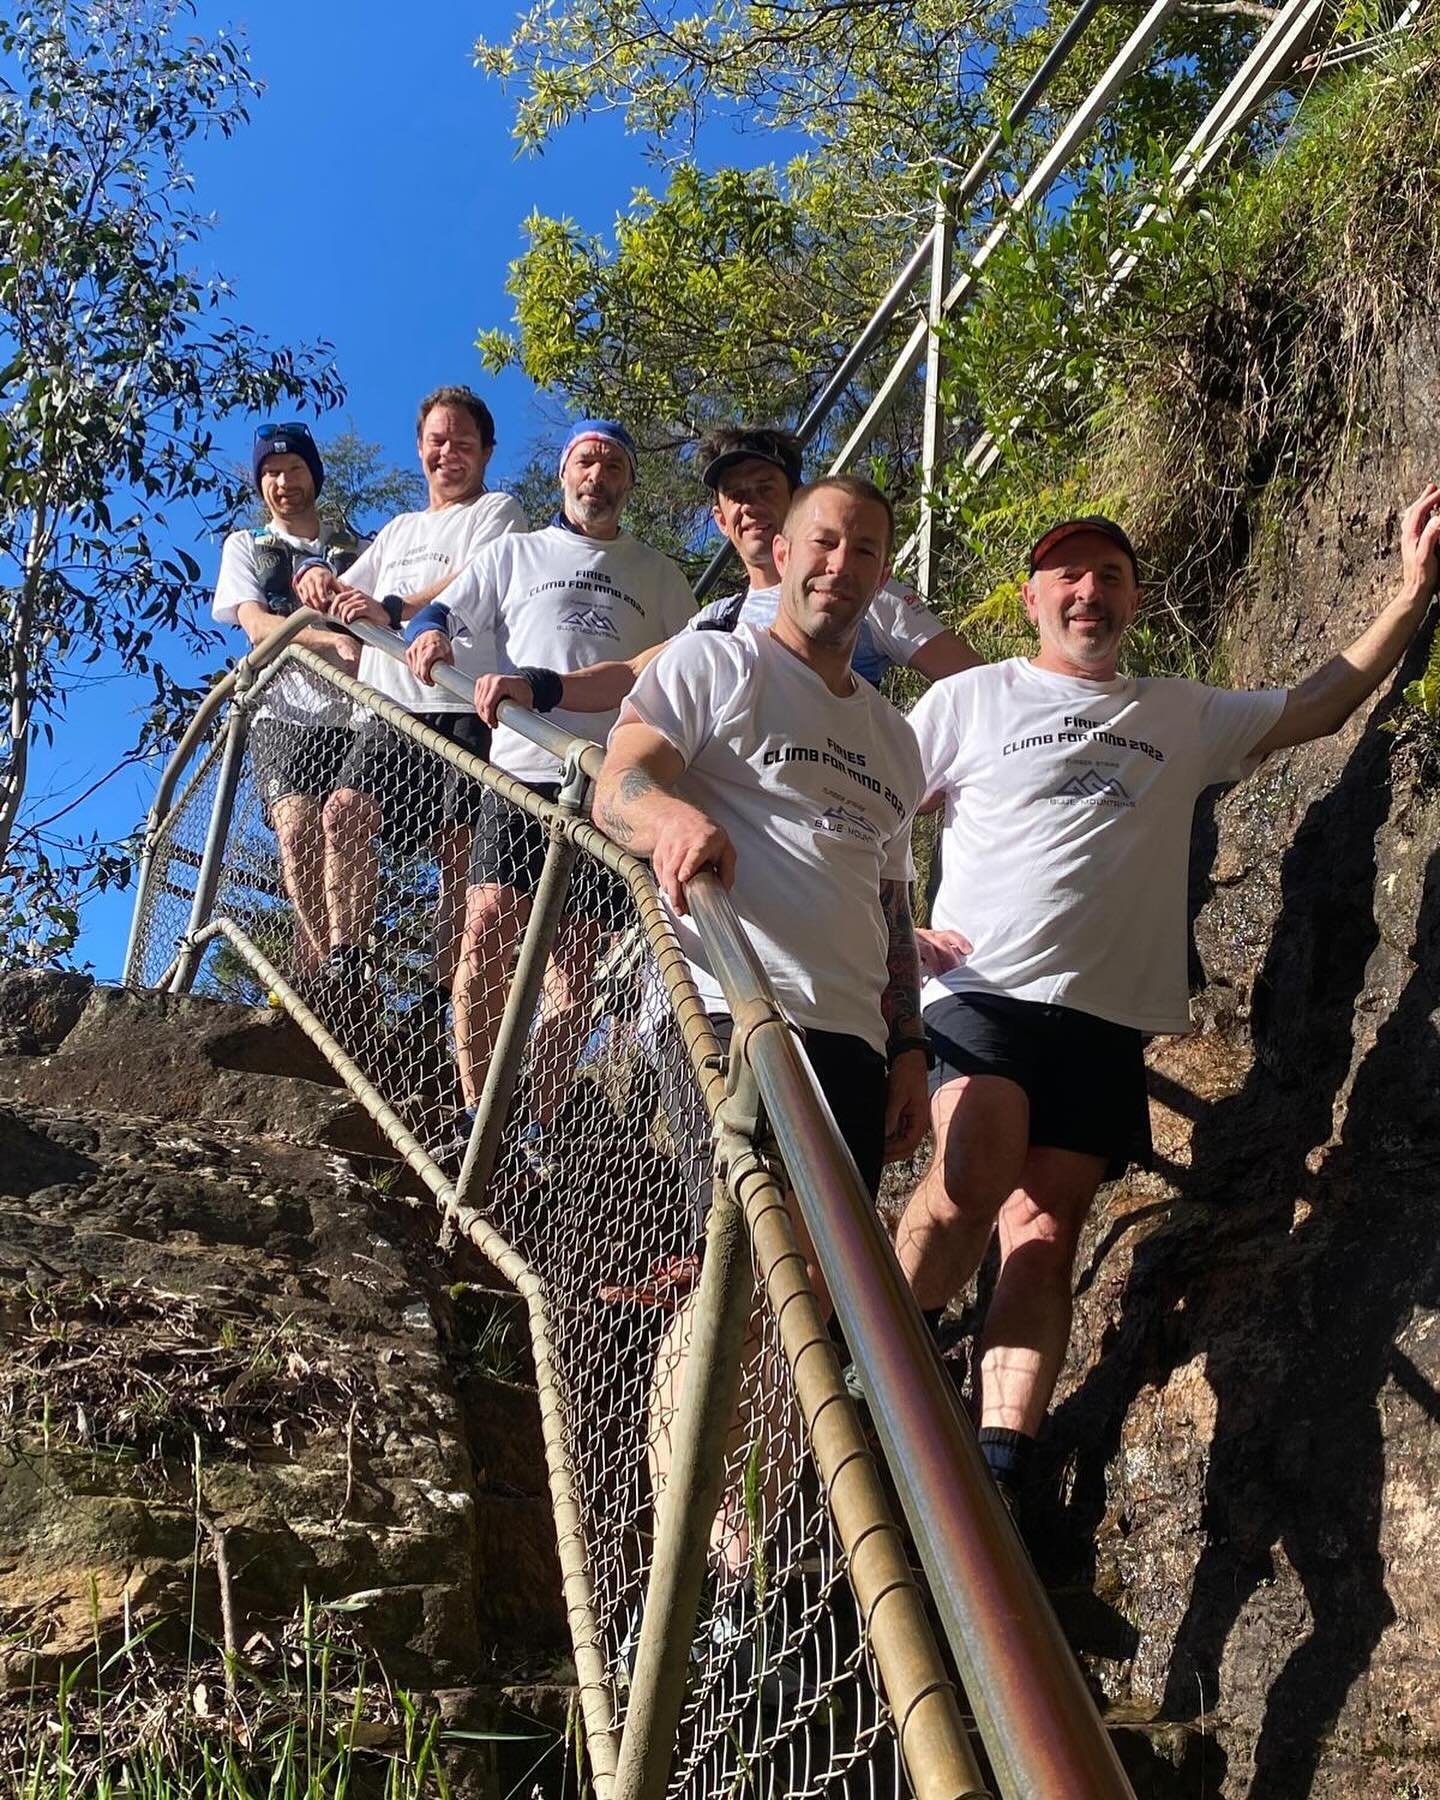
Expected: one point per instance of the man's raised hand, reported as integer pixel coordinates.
(1419, 542)
(314, 586)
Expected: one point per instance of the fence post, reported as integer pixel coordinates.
(212, 862)
(942, 238)
(493, 1106)
(692, 1495)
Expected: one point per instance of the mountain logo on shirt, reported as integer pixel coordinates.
(589, 620)
(844, 819)
(1091, 785)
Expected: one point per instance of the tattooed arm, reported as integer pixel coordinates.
(907, 1108)
(636, 805)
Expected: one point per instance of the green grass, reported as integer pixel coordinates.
(305, 1717)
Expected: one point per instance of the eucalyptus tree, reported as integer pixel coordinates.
(116, 358)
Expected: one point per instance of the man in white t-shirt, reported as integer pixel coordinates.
(1069, 791)
(753, 473)
(301, 732)
(554, 600)
(390, 788)
(760, 755)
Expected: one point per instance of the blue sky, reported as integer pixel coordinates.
(374, 201)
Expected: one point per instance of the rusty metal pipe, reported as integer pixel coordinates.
(1036, 1718)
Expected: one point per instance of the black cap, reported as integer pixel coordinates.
(754, 446)
(1057, 534)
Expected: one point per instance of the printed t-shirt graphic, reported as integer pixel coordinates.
(815, 792)
(895, 627)
(293, 695)
(555, 599)
(414, 551)
(1067, 829)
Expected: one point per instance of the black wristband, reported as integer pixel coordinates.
(547, 688)
(394, 610)
(899, 1045)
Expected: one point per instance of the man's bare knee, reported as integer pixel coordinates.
(350, 815)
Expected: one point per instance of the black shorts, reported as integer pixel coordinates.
(852, 1077)
(418, 793)
(1085, 1077)
(291, 759)
(509, 849)
(856, 1082)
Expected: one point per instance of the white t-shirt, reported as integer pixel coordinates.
(555, 599)
(895, 627)
(816, 793)
(1068, 810)
(294, 695)
(414, 551)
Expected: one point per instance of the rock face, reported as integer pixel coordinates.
(206, 1314)
(1245, 1458)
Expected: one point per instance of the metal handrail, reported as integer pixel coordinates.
(245, 672)
(1034, 1712)
(1035, 1715)
(560, 743)
(880, 320)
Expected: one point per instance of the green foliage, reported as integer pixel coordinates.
(113, 355)
(1424, 694)
(1227, 370)
(361, 489)
(734, 292)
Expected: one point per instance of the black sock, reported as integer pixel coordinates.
(1007, 1455)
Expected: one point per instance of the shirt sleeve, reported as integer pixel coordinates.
(677, 603)
(900, 624)
(473, 597)
(676, 694)
(364, 572)
(506, 516)
(710, 610)
(938, 721)
(898, 863)
(236, 582)
(1230, 723)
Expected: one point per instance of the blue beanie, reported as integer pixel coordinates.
(287, 440)
(612, 434)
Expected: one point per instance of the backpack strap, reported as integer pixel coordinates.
(726, 616)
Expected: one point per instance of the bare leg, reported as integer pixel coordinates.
(494, 919)
(452, 855)
(731, 1533)
(300, 836)
(565, 1013)
(352, 865)
(982, 1124)
(1027, 1326)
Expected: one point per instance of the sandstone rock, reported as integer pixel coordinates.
(1244, 1461)
(190, 1279)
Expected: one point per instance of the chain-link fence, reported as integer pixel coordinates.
(501, 988)
(390, 881)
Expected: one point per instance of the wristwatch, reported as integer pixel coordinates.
(898, 1046)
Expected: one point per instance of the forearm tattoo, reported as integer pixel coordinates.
(633, 785)
(900, 1003)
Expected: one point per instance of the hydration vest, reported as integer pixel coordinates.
(275, 563)
(727, 618)
(868, 662)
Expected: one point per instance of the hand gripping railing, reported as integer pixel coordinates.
(1040, 1729)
